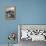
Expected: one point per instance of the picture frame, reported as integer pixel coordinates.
(10, 12)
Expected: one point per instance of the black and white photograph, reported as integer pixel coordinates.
(31, 34)
(10, 12)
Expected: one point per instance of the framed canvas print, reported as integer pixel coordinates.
(29, 33)
(10, 12)
(32, 32)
